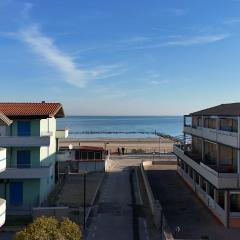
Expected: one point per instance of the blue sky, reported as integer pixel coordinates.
(103, 57)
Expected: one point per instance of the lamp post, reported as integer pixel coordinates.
(84, 199)
(159, 146)
(70, 147)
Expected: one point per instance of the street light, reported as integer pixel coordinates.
(84, 199)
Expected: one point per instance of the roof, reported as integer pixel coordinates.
(85, 148)
(4, 120)
(32, 110)
(229, 109)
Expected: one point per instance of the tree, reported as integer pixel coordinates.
(49, 228)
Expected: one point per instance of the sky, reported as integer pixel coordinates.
(111, 57)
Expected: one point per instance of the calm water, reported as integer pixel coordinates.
(171, 125)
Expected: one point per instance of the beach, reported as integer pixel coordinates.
(131, 145)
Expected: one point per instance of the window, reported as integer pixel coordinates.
(221, 200)
(24, 128)
(23, 159)
(228, 124)
(190, 172)
(197, 178)
(211, 190)
(210, 123)
(91, 155)
(204, 184)
(235, 202)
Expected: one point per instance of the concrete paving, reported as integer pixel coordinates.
(113, 217)
(182, 208)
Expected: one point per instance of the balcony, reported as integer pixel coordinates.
(26, 141)
(218, 179)
(2, 211)
(2, 159)
(215, 135)
(63, 133)
(27, 172)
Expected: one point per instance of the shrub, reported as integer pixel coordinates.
(49, 228)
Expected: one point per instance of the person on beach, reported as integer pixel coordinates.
(118, 150)
(123, 150)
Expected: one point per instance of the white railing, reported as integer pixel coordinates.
(225, 137)
(2, 159)
(2, 211)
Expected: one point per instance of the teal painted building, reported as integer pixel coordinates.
(31, 143)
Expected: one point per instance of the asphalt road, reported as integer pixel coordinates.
(182, 208)
(113, 217)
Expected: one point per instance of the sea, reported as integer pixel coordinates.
(121, 126)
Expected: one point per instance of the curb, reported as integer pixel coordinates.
(94, 198)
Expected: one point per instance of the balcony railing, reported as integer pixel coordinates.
(2, 211)
(2, 159)
(207, 161)
(218, 179)
(26, 171)
(29, 141)
(194, 156)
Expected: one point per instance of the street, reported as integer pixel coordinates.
(113, 217)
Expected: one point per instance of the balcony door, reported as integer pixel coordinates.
(23, 159)
(16, 193)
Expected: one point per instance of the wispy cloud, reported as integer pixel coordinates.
(144, 43)
(231, 21)
(27, 7)
(196, 40)
(158, 82)
(186, 41)
(177, 12)
(136, 39)
(45, 47)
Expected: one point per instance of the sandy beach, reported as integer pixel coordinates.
(131, 145)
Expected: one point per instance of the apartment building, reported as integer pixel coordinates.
(209, 159)
(4, 121)
(30, 141)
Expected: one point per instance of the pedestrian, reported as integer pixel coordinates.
(123, 150)
(118, 150)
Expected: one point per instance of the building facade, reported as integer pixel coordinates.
(30, 142)
(209, 159)
(4, 121)
(84, 158)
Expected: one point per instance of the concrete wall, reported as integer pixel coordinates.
(48, 157)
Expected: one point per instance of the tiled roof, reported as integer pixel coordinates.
(230, 109)
(17, 110)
